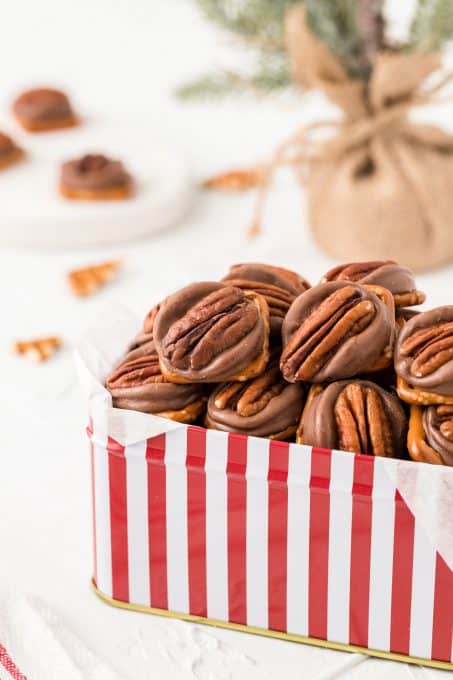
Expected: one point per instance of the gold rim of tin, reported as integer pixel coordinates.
(338, 646)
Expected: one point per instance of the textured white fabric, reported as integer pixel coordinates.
(44, 647)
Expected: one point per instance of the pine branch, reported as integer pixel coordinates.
(255, 19)
(220, 84)
(432, 25)
(334, 22)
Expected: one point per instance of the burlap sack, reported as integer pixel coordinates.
(382, 186)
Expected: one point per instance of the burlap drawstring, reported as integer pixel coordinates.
(300, 149)
(380, 186)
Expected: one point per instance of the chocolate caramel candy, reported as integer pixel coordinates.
(43, 109)
(337, 330)
(430, 437)
(266, 406)
(397, 279)
(356, 416)
(137, 384)
(212, 332)
(424, 358)
(278, 286)
(95, 177)
(9, 151)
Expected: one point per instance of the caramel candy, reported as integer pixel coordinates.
(337, 330)
(10, 153)
(212, 332)
(44, 109)
(424, 358)
(397, 279)
(95, 177)
(278, 286)
(266, 406)
(356, 416)
(138, 384)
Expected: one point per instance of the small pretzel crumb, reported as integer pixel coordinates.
(39, 349)
(87, 280)
(235, 180)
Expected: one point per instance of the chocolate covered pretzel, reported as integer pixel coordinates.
(397, 279)
(337, 330)
(10, 153)
(138, 384)
(212, 332)
(430, 437)
(278, 286)
(424, 358)
(266, 406)
(42, 109)
(356, 416)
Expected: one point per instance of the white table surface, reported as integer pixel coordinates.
(119, 60)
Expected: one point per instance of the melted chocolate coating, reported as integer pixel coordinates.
(438, 381)
(131, 388)
(94, 171)
(355, 354)
(281, 412)
(438, 426)
(320, 426)
(7, 146)
(42, 104)
(266, 273)
(226, 361)
(396, 278)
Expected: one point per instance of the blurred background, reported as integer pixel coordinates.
(121, 63)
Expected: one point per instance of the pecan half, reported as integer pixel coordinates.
(397, 279)
(429, 349)
(212, 332)
(278, 299)
(266, 406)
(357, 416)
(322, 320)
(216, 323)
(362, 423)
(140, 371)
(424, 354)
(445, 415)
(252, 396)
(355, 271)
(138, 384)
(431, 434)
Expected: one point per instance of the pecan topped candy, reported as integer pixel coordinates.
(43, 109)
(424, 358)
(337, 330)
(138, 384)
(212, 332)
(397, 279)
(266, 406)
(278, 286)
(356, 416)
(430, 438)
(9, 151)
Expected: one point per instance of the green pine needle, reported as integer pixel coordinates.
(266, 78)
(335, 24)
(432, 25)
(257, 19)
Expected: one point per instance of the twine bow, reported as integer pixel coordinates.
(379, 108)
(301, 148)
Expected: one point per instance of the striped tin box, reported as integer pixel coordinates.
(285, 540)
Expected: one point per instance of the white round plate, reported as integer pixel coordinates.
(33, 214)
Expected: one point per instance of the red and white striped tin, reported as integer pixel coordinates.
(298, 542)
